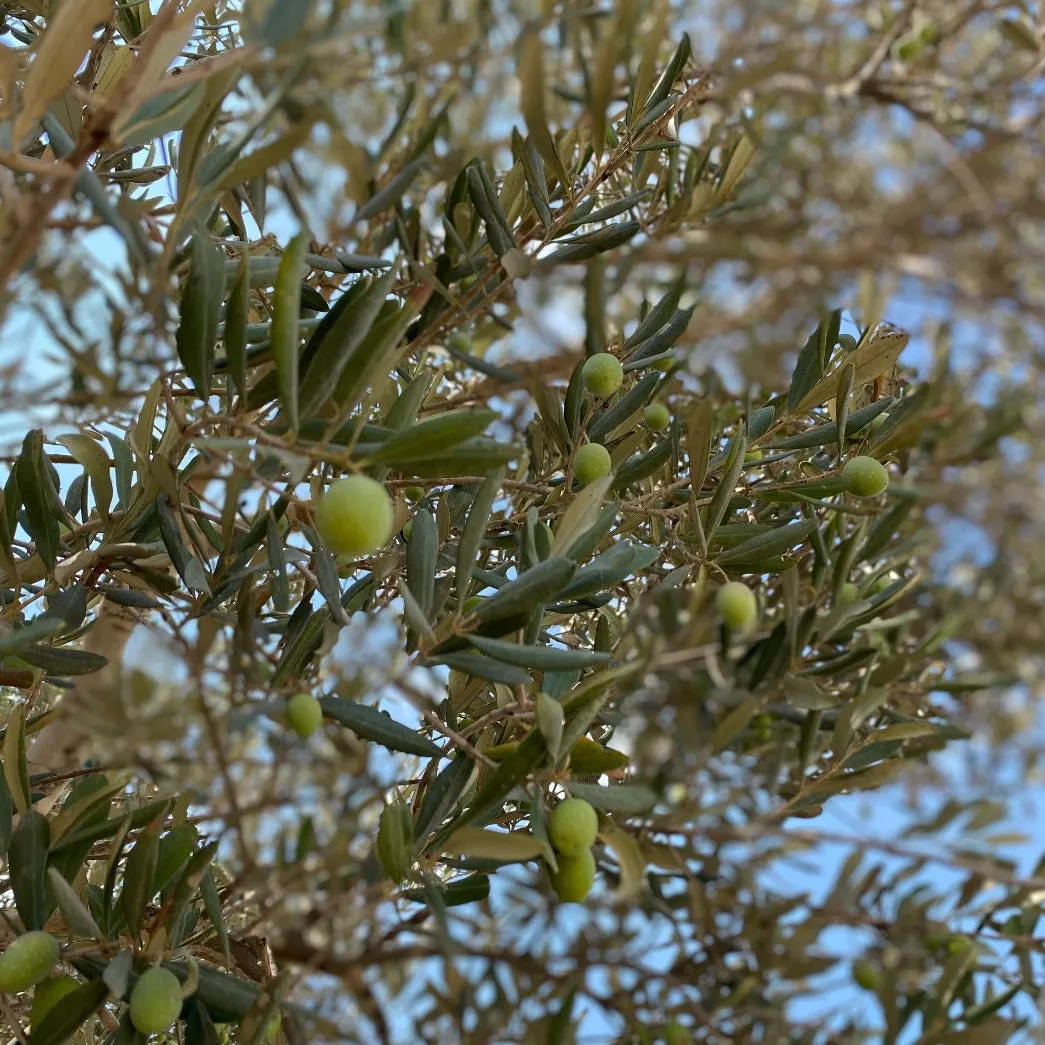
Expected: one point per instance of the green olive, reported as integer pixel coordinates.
(573, 826)
(354, 516)
(602, 374)
(592, 461)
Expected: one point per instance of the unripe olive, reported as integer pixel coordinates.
(879, 419)
(866, 975)
(849, 593)
(864, 476)
(575, 877)
(473, 602)
(573, 826)
(29, 958)
(753, 456)
(602, 374)
(657, 417)
(304, 714)
(408, 529)
(663, 365)
(592, 461)
(354, 516)
(47, 994)
(155, 1001)
(737, 604)
(414, 493)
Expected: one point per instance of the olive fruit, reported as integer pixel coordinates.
(737, 604)
(753, 456)
(576, 875)
(848, 593)
(304, 714)
(414, 493)
(602, 374)
(47, 994)
(591, 462)
(866, 975)
(354, 516)
(28, 960)
(657, 417)
(573, 826)
(155, 1001)
(864, 476)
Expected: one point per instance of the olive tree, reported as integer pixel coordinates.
(477, 487)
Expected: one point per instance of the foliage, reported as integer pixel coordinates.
(272, 245)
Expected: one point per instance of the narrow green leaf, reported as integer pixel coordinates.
(536, 182)
(630, 799)
(672, 72)
(641, 466)
(615, 564)
(379, 351)
(189, 568)
(821, 435)
(532, 80)
(481, 667)
(441, 796)
(138, 875)
(63, 1020)
(390, 195)
(286, 310)
(200, 310)
(474, 528)
(503, 846)
(6, 816)
(505, 778)
(432, 436)
(472, 889)
(550, 719)
(477, 456)
(16, 773)
(77, 918)
(734, 465)
(237, 314)
(27, 868)
(283, 20)
(766, 545)
(371, 724)
(96, 461)
(518, 599)
(332, 345)
(57, 660)
(38, 494)
(608, 420)
(538, 658)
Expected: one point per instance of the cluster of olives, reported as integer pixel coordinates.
(29, 959)
(573, 827)
(603, 375)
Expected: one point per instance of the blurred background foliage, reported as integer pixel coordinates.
(246, 248)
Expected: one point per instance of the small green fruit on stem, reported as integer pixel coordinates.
(575, 877)
(737, 605)
(354, 516)
(602, 374)
(657, 417)
(29, 958)
(304, 714)
(592, 461)
(573, 826)
(155, 1001)
(864, 476)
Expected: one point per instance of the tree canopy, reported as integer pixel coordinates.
(487, 481)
